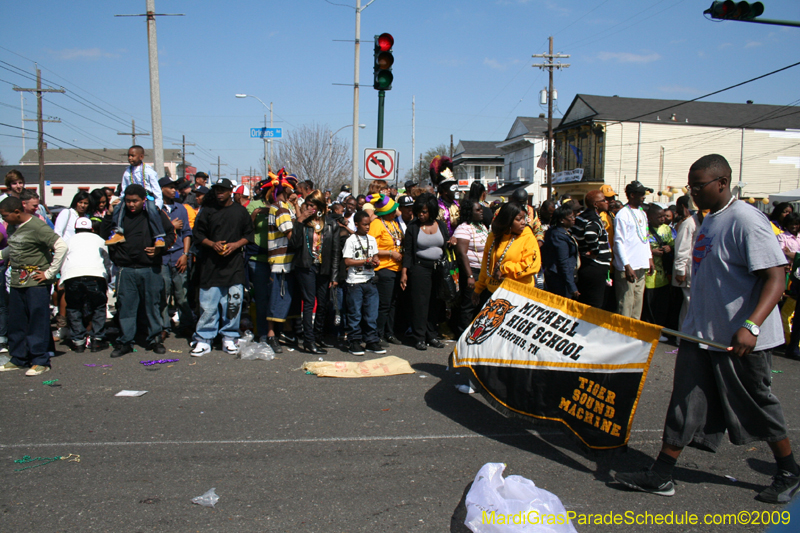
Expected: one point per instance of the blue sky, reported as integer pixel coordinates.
(467, 63)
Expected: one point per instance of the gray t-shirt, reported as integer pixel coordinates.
(430, 246)
(731, 245)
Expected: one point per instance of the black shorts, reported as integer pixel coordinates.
(714, 392)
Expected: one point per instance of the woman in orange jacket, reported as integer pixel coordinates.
(511, 251)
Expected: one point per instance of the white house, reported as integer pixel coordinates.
(615, 140)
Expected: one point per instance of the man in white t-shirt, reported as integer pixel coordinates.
(632, 256)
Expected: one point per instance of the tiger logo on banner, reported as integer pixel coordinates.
(488, 320)
(541, 356)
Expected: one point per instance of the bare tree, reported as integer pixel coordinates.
(309, 153)
(419, 174)
(2, 161)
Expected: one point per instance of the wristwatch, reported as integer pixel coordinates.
(751, 327)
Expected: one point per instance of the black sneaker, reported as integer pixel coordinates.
(323, 344)
(783, 487)
(121, 350)
(98, 345)
(355, 348)
(647, 481)
(436, 343)
(421, 346)
(287, 339)
(375, 347)
(79, 346)
(384, 343)
(391, 339)
(274, 344)
(158, 348)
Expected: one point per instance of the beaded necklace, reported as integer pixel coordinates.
(478, 229)
(397, 237)
(641, 225)
(499, 261)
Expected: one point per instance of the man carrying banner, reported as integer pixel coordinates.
(737, 280)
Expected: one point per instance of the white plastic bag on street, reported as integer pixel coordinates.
(208, 499)
(512, 505)
(256, 350)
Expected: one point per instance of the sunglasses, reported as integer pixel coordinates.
(700, 187)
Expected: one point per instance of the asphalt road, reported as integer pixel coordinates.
(287, 451)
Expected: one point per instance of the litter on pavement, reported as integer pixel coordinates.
(384, 366)
(208, 499)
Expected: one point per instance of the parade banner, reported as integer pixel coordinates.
(546, 357)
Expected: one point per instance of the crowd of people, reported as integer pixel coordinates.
(363, 273)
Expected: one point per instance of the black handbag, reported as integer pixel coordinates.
(446, 269)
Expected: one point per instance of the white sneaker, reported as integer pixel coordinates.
(200, 349)
(229, 346)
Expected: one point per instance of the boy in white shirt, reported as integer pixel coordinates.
(360, 254)
(140, 174)
(84, 275)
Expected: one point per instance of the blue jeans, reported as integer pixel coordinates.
(135, 286)
(362, 302)
(222, 309)
(30, 341)
(261, 279)
(175, 285)
(3, 305)
(153, 218)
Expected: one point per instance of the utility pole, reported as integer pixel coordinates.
(155, 87)
(183, 144)
(549, 66)
(413, 131)
(40, 123)
(451, 146)
(133, 133)
(22, 112)
(219, 175)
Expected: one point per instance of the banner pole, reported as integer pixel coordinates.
(692, 338)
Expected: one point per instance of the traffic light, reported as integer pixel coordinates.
(383, 62)
(730, 10)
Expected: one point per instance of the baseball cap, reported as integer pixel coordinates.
(405, 201)
(410, 184)
(182, 183)
(224, 183)
(637, 187)
(345, 188)
(166, 182)
(83, 223)
(201, 174)
(242, 189)
(202, 189)
(607, 190)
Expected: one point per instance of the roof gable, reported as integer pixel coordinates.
(93, 155)
(714, 114)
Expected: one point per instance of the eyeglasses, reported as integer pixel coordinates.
(698, 188)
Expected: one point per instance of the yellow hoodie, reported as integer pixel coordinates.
(521, 263)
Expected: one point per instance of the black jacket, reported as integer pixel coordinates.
(331, 248)
(560, 256)
(410, 241)
(138, 236)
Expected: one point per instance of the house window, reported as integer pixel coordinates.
(477, 173)
(85, 189)
(57, 191)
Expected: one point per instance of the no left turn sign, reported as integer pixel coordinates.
(379, 163)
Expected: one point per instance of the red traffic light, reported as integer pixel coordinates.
(730, 10)
(385, 42)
